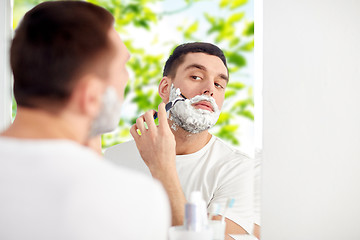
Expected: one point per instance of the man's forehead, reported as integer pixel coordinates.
(203, 61)
(202, 58)
(119, 44)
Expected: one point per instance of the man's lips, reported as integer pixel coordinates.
(204, 105)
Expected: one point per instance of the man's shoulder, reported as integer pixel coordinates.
(67, 164)
(231, 152)
(58, 150)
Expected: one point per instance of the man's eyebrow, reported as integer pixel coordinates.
(223, 76)
(194, 65)
(201, 67)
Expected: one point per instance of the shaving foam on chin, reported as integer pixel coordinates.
(192, 119)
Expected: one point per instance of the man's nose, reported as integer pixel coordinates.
(207, 92)
(209, 89)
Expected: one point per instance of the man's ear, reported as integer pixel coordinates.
(164, 88)
(88, 95)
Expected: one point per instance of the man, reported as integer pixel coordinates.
(202, 162)
(69, 76)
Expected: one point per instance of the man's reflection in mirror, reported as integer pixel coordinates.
(195, 74)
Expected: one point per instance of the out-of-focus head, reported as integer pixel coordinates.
(56, 44)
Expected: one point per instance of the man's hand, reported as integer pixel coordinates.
(157, 148)
(156, 144)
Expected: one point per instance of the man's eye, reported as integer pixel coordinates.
(218, 85)
(196, 77)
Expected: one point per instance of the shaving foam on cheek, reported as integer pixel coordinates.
(174, 93)
(191, 119)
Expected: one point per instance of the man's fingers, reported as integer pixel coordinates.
(133, 131)
(149, 119)
(140, 124)
(162, 114)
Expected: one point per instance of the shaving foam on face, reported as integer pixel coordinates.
(109, 115)
(192, 119)
(174, 93)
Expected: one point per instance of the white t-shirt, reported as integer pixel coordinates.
(257, 186)
(218, 170)
(58, 189)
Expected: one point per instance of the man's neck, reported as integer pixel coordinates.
(187, 143)
(40, 124)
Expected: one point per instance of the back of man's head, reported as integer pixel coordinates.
(179, 53)
(54, 45)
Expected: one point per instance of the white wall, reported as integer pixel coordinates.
(311, 130)
(5, 73)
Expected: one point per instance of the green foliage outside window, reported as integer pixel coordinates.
(230, 31)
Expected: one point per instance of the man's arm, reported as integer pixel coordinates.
(236, 183)
(177, 199)
(231, 227)
(156, 145)
(257, 231)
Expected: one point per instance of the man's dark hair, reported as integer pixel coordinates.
(55, 43)
(179, 53)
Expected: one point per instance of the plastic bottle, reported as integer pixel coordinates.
(195, 213)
